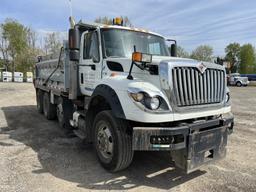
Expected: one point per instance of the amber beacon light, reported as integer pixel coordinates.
(118, 21)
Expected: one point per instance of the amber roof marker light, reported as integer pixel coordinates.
(118, 21)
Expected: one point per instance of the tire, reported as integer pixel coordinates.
(39, 101)
(49, 108)
(64, 112)
(239, 84)
(112, 141)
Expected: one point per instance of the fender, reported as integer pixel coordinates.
(111, 97)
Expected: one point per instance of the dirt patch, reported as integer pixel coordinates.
(37, 156)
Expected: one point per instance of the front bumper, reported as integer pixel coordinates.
(191, 145)
(245, 83)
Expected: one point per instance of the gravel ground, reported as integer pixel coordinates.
(35, 155)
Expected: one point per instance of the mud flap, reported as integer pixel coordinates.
(202, 147)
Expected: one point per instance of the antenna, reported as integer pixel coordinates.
(71, 18)
(70, 8)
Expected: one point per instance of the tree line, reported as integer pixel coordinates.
(19, 46)
(241, 58)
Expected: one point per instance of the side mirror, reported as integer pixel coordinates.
(174, 50)
(173, 47)
(74, 44)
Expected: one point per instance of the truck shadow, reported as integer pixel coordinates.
(72, 160)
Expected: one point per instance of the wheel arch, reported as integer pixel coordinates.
(238, 81)
(106, 93)
(103, 98)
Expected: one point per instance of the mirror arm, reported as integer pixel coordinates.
(173, 40)
(130, 77)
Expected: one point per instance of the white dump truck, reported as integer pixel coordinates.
(237, 80)
(121, 89)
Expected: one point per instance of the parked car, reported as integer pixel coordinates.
(237, 80)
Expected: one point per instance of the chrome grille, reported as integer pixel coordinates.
(193, 88)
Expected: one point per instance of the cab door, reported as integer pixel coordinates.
(90, 62)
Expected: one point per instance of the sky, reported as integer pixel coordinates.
(191, 22)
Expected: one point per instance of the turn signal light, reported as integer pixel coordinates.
(141, 57)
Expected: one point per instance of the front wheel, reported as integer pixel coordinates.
(238, 84)
(112, 141)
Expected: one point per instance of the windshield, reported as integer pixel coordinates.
(120, 43)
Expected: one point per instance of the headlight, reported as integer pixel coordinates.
(152, 103)
(148, 101)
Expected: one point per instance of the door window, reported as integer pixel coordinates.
(91, 46)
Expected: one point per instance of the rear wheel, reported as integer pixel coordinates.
(39, 101)
(112, 141)
(49, 108)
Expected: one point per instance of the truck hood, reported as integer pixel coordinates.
(185, 83)
(241, 78)
(156, 60)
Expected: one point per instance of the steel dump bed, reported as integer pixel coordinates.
(52, 72)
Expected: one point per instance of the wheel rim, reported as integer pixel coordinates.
(60, 112)
(105, 142)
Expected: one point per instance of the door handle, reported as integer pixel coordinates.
(93, 67)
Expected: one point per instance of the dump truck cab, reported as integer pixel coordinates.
(121, 89)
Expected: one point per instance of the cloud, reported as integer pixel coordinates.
(216, 23)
